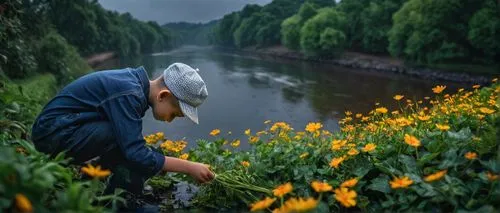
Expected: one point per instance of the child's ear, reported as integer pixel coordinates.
(163, 95)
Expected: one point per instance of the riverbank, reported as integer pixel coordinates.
(375, 63)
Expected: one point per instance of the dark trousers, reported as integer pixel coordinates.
(90, 140)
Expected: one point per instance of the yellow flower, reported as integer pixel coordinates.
(259, 133)
(381, 110)
(262, 204)
(369, 147)
(346, 197)
(283, 189)
(398, 97)
(353, 152)
(359, 115)
(402, 182)
(438, 89)
(349, 183)
(297, 205)
(424, 118)
(160, 135)
(313, 127)
(338, 144)
(476, 86)
(443, 127)
(184, 156)
(435, 176)
(95, 172)
(253, 139)
(335, 162)
(215, 132)
(247, 132)
(282, 125)
(412, 141)
(491, 176)
(365, 118)
(347, 113)
(487, 111)
(23, 204)
(236, 143)
(471, 155)
(395, 112)
(245, 163)
(304, 155)
(321, 186)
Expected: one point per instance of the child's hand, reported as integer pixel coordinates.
(201, 172)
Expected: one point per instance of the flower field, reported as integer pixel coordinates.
(439, 154)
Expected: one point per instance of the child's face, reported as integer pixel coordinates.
(166, 106)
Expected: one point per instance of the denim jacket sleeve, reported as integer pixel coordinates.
(123, 111)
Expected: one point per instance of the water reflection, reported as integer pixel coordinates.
(245, 90)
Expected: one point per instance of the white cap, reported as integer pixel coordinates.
(187, 86)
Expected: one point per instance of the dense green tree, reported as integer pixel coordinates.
(290, 27)
(484, 32)
(376, 21)
(327, 24)
(427, 31)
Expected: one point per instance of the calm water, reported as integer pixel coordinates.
(244, 91)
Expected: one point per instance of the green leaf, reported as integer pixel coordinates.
(362, 169)
(408, 163)
(463, 134)
(426, 158)
(380, 184)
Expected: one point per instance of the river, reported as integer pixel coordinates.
(246, 90)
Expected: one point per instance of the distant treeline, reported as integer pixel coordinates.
(419, 31)
(50, 35)
(191, 33)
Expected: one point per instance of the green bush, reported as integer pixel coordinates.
(56, 56)
(310, 34)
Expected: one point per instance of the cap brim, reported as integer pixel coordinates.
(189, 111)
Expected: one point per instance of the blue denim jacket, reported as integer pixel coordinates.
(117, 96)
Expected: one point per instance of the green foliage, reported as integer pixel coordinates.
(314, 28)
(280, 154)
(427, 31)
(16, 55)
(63, 61)
(290, 32)
(484, 28)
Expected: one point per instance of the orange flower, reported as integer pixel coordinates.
(412, 141)
(398, 97)
(476, 86)
(184, 156)
(321, 186)
(435, 176)
(313, 127)
(353, 152)
(381, 110)
(438, 89)
(346, 197)
(471, 155)
(487, 111)
(95, 172)
(262, 204)
(298, 205)
(491, 176)
(283, 189)
(23, 204)
(369, 147)
(245, 163)
(349, 183)
(402, 182)
(443, 127)
(335, 162)
(215, 132)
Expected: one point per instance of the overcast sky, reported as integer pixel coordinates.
(165, 11)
